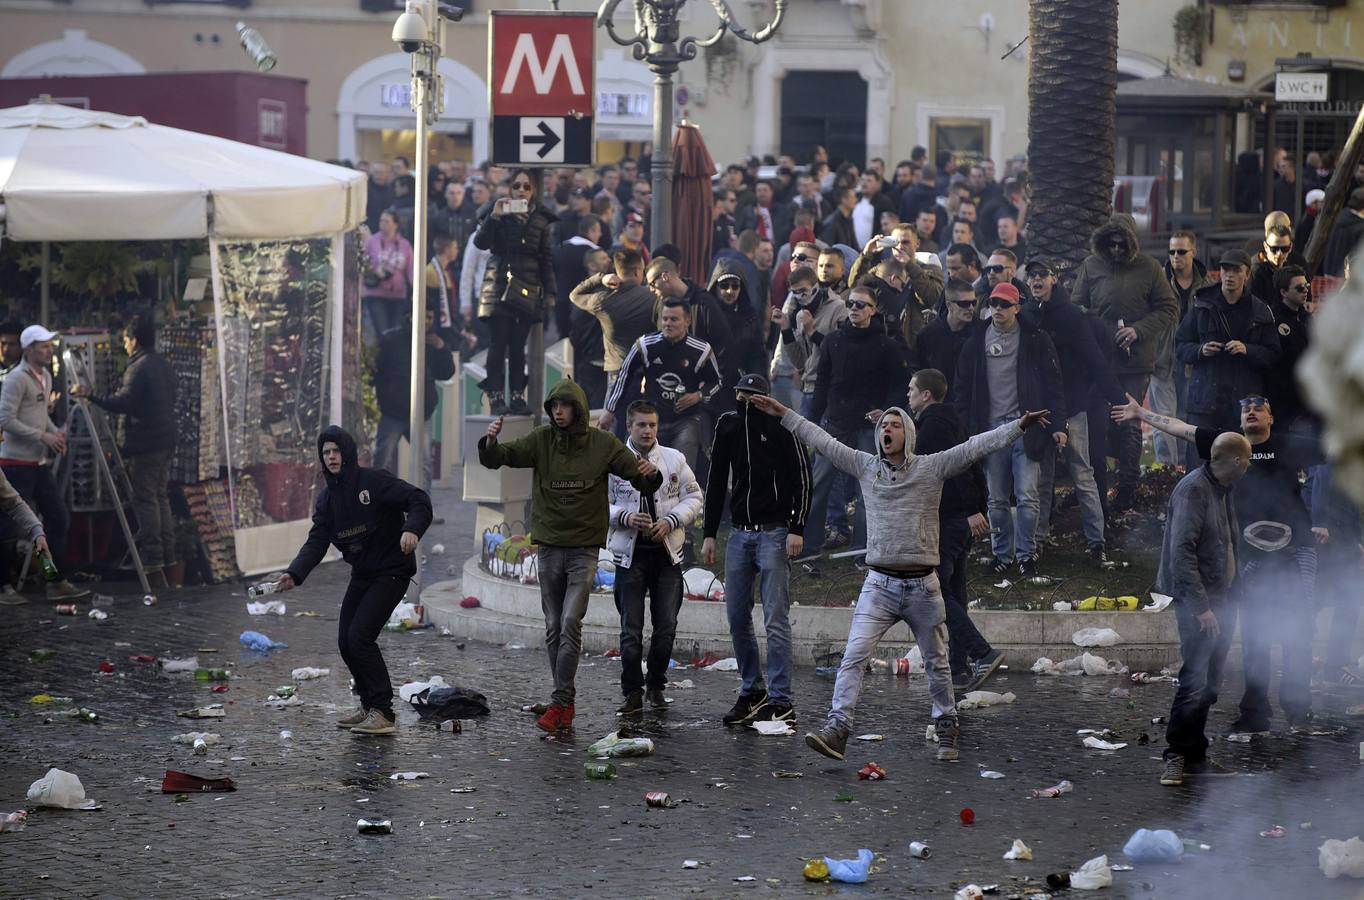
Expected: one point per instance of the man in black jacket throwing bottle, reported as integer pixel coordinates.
(375, 519)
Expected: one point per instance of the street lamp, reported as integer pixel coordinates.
(657, 43)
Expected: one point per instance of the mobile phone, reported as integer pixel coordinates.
(519, 205)
(886, 243)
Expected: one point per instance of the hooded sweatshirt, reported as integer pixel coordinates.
(363, 512)
(570, 507)
(902, 501)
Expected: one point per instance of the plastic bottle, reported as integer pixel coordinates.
(599, 771)
(262, 589)
(202, 674)
(200, 747)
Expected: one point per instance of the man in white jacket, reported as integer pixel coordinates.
(645, 538)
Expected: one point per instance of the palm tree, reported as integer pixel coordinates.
(1072, 103)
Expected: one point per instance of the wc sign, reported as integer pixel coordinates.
(1300, 87)
(541, 77)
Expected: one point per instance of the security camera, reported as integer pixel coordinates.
(409, 32)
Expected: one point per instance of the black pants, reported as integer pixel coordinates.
(655, 572)
(1125, 438)
(1199, 677)
(39, 490)
(367, 605)
(964, 640)
(509, 346)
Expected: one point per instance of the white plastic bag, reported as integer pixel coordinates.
(267, 607)
(413, 688)
(970, 892)
(1093, 875)
(61, 790)
(1099, 744)
(1158, 602)
(1095, 637)
(307, 673)
(979, 699)
(728, 664)
(782, 727)
(702, 584)
(1338, 858)
(1019, 851)
(404, 615)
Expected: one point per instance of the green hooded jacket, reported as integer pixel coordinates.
(570, 507)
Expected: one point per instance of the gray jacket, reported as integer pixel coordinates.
(902, 501)
(802, 350)
(23, 415)
(1198, 556)
(12, 505)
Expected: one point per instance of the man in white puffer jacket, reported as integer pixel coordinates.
(645, 538)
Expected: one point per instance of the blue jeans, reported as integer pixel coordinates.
(1011, 472)
(653, 572)
(761, 553)
(1076, 456)
(1199, 677)
(785, 390)
(386, 436)
(883, 602)
(828, 484)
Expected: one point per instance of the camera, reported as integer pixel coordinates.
(409, 32)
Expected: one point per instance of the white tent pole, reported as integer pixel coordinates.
(337, 324)
(217, 281)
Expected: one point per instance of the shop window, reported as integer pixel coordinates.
(967, 139)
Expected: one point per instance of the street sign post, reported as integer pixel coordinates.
(542, 88)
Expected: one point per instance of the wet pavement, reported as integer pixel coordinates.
(533, 825)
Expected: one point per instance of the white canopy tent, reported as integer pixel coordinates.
(70, 174)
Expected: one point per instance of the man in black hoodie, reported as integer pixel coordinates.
(747, 327)
(375, 519)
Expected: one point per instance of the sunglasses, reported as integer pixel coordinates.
(801, 258)
(1254, 403)
(1001, 304)
(1301, 288)
(1278, 249)
(1038, 273)
(992, 270)
(521, 186)
(857, 304)
(728, 285)
(1179, 252)
(964, 304)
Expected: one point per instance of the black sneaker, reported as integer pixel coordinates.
(962, 681)
(654, 697)
(1173, 774)
(1124, 499)
(829, 741)
(983, 668)
(746, 709)
(1027, 567)
(779, 712)
(633, 705)
(948, 733)
(1001, 566)
(497, 403)
(518, 405)
(1099, 556)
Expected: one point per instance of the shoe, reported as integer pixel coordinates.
(1001, 566)
(1099, 556)
(1306, 723)
(654, 698)
(633, 705)
(518, 404)
(962, 681)
(1350, 676)
(64, 590)
(746, 709)
(1027, 567)
(375, 722)
(829, 741)
(353, 719)
(497, 403)
(1173, 775)
(779, 712)
(1124, 500)
(566, 717)
(948, 733)
(983, 668)
(10, 597)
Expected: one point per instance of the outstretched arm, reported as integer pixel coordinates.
(1131, 410)
(843, 457)
(961, 457)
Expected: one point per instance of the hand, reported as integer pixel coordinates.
(779, 319)
(979, 525)
(55, 441)
(285, 582)
(610, 281)
(79, 390)
(1126, 337)
(875, 415)
(40, 544)
(1207, 623)
(434, 341)
(1211, 348)
(494, 429)
(647, 468)
(661, 528)
(606, 420)
(768, 404)
(873, 244)
(1060, 439)
(1323, 535)
(687, 401)
(1235, 348)
(1126, 412)
(794, 545)
(640, 520)
(708, 551)
(806, 322)
(501, 207)
(408, 542)
(1034, 418)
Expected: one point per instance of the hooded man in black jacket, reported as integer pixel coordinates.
(747, 325)
(376, 520)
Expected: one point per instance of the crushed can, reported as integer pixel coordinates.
(920, 850)
(599, 771)
(374, 826)
(65, 609)
(659, 800)
(451, 726)
(149, 600)
(871, 772)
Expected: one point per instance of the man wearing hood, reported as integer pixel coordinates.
(569, 516)
(902, 491)
(747, 323)
(1169, 380)
(1130, 293)
(375, 519)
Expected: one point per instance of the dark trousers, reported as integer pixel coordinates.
(592, 379)
(826, 483)
(964, 640)
(1199, 677)
(150, 477)
(1275, 606)
(508, 346)
(651, 571)
(39, 490)
(367, 605)
(1126, 437)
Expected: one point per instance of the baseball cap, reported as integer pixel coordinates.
(1038, 265)
(754, 384)
(1005, 291)
(634, 218)
(34, 334)
(1316, 195)
(1234, 258)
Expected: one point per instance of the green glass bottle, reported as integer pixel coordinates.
(202, 674)
(599, 771)
(48, 566)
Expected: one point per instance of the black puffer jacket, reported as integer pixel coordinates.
(147, 398)
(521, 245)
(393, 372)
(363, 512)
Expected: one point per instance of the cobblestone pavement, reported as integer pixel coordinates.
(534, 826)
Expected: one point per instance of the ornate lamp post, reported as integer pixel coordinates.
(656, 42)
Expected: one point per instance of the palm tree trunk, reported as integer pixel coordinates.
(1072, 105)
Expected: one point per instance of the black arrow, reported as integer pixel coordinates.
(547, 139)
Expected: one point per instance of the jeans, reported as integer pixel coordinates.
(883, 602)
(386, 436)
(761, 553)
(1076, 456)
(964, 640)
(785, 389)
(827, 485)
(508, 346)
(150, 475)
(565, 582)
(384, 314)
(684, 436)
(39, 490)
(367, 605)
(1274, 604)
(1010, 471)
(1126, 437)
(1204, 659)
(1167, 399)
(655, 572)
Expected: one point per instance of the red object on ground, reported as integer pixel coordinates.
(219, 689)
(613, 653)
(709, 659)
(183, 782)
(871, 772)
(1276, 831)
(469, 603)
(968, 816)
(142, 658)
(106, 667)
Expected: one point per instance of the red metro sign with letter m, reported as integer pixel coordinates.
(542, 87)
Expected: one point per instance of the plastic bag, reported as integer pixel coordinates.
(1099, 744)
(178, 665)
(979, 699)
(1093, 875)
(728, 664)
(412, 688)
(1019, 851)
(851, 871)
(778, 728)
(1095, 637)
(254, 640)
(702, 584)
(60, 789)
(614, 745)
(969, 892)
(266, 608)
(1084, 664)
(1158, 846)
(1338, 858)
(307, 673)
(405, 616)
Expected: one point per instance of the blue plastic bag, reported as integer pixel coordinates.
(1147, 846)
(852, 871)
(254, 640)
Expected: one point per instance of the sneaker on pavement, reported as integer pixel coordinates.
(1350, 676)
(633, 705)
(566, 717)
(948, 733)
(746, 709)
(1098, 555)
(551, 719)
(10, 597)
(962, 681)
(1027, 567)
(654, 697)
(353, 719)
(983, 668)
(1001, 566)
(375, 722)
(778, 711)
(829, 741)
(1173, 774)
(64, 590)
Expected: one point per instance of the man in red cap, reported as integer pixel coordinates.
(1004, 368)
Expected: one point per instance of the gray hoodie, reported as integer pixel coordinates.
(902, 501)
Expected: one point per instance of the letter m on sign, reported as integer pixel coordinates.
(542, 64)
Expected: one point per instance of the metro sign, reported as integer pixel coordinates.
(541, 81)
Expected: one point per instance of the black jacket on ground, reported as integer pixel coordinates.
(1039, 385)
(363, 512)
(770, 472)
(1217, 383)
(939, 428)
(860, 369)
(393, 372)
(147, 397)
(1085, 366)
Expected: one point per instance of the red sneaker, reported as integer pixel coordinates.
(552, 719)
(566, 717)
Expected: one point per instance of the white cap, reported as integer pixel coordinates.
(33, 334)
(1316, 195)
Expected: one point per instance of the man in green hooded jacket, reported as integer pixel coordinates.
(570, 513)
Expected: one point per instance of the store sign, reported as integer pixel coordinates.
(624, 106)
(541, 71)
(1300, 87)
(272, 118)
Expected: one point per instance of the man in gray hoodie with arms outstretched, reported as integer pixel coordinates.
(901, 492)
